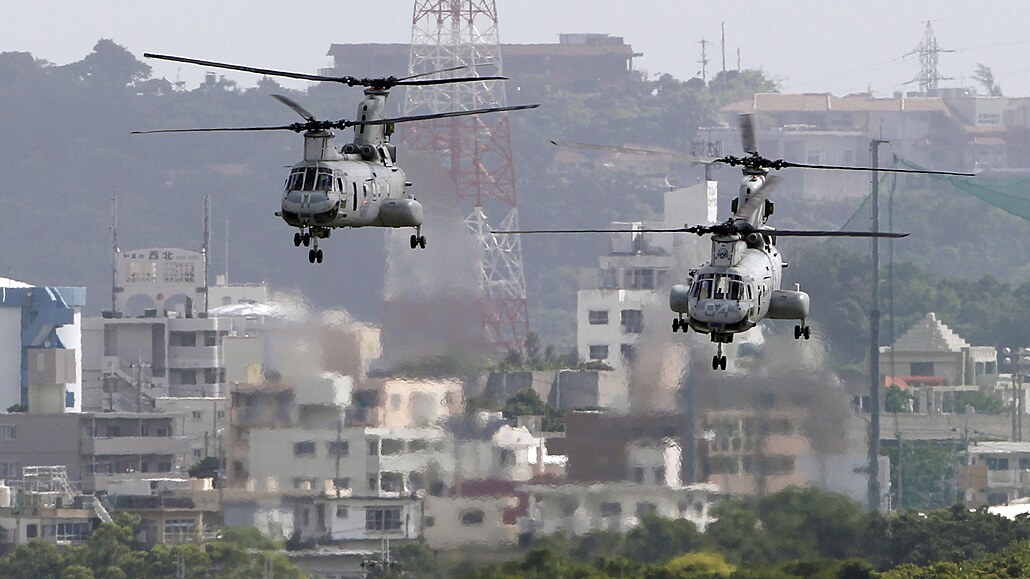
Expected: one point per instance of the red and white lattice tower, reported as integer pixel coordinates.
(446, 34)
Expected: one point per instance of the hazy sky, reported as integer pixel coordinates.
(809, 45)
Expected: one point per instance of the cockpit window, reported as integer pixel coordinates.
(295, 180)
(324, 182)
(310, 179)
(719, 287)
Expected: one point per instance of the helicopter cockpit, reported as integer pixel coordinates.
(310, 179)
(717, 286)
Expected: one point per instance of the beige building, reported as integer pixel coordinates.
(996, 473)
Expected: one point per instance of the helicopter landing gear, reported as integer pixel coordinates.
(297, 239)
(802, 330)
(417, 239)
(315, 256)
(679, 324)
(719, 361)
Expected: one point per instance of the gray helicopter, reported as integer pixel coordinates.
(359, 184)
(740, 284)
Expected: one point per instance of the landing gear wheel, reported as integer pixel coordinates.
(807, 332)
(318, 255)
(715, 362)
(422, 241)
(797, 332)
(722, 363)
(296, 239)
(311, 256)
(306, 238)
(675, 325)
(414, 241)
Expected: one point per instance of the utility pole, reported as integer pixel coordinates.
(723, 26)
(874, 339)
(928, 51)
(704, 59)
(336, 481)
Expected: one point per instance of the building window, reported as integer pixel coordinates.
(197, 453)
(342, 512)
(66, 532)
(507, 457)
(611, 509)
(638, 474)
(164, 467)
(392, 446)
(305, 448)
(471, 517)
(341, 483)
(988, 119)
(69, 399)
(659, 475)
(628, 353)
(429, 522)
(373, 484)
(632, 321)
(338, 448)
(393, 482)
(178, 272)
(177, 530)
(383, 519)
(9, 432)
(598, 317)
(996, 498)
(395, 401)
(599, 352)
(922, 369)
(373, 448)
(221, 415)
(8, 470)
(32, 531)
(645, 509)
(994, 463)
(418, 445)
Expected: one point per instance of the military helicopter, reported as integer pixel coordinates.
(740, 285)
(359, 184)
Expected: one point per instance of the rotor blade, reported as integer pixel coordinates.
(348, 80)
(815, 233)
(757, 198)
(447, 80)
(223, 129)
(435, 116)
(880, 169)
(453, 68)
(642, 230)
(746, 122)
(296, 107)
(641, 152)
(264, 71)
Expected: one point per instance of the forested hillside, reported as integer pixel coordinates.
(67, 149)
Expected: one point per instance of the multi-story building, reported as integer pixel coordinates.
(43, 506)
(995, 473)
(575, 59)
(40, 346)
(95, 448)
(611, 302)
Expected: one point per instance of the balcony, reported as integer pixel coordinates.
(136, 445)
(193, 357)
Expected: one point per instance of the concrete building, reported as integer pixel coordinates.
(995, 473)
(324, 518)
(932, 349)
(567, 389)
(44, 506)
(575, 59)
(405, 402)
(203, 424)
(40, 346)
(611, 302)
(95, 448)
(477, 514)
(575, 510)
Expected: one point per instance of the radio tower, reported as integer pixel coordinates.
(445, 34)
(928, 51)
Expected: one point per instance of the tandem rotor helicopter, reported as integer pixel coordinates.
(740, 284)
(360, 184)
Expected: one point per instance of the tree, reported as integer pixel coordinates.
(206, 467)
(109, 66)
(985, 76)
(528, 403)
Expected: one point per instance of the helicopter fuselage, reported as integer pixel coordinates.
(740, 285)
(349, 192)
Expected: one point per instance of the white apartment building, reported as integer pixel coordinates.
(636, 272)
